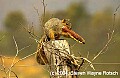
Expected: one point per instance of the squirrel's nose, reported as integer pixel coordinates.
(73, 35)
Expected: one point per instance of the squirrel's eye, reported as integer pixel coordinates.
(67, 24)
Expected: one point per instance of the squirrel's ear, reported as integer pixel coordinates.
(68, 20)
(63, 21)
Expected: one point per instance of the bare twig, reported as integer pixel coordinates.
(116, 10)
(29, 30)
(2, 60)
(88, 54)
(24, 47)
(31, 33)
(44, 10)
(3, 64)
(10, 69)
(13, 62)
(37, 41)
(14, 74)
(17, 51)
(2, 37)
(24, 58)
(110, 37)
(90, 63)
(40, 19)
(106, 45)
(36, 9)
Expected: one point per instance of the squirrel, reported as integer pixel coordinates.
(54, 28)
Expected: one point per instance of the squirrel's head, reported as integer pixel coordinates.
(58, 27)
